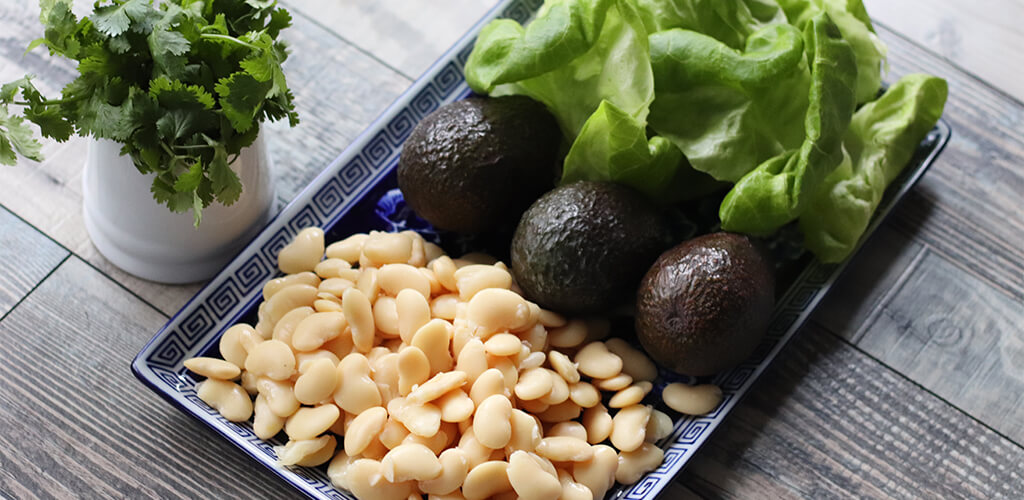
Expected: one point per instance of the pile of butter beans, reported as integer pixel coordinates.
(416, 374)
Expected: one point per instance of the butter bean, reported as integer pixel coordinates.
(356, 391)
(536, 337)
(564, 449)
(571, 335)
(551, 319)
(275, 285)
(526, 432)
(630, 395)
(492, 421)
(476, 453)
(598, 424)
(534, 406)
(634, 362)
(533, 360)
(598, 473)
(317, 383)
(333, 287)
(303, 253)
(454, 468)
(559, 390)
(616, 383)
(365, 427)
(594, 360)
(392, 434)
(265, 423)
(358, 312)
(337, 470)
(444, 269)
(348, 249)
(341, 345)
(273, 359)
(435, 286)
(213, 368)
(443, 306)
(658, 427)
(285, 327)
(305, 360)
(634, 464)
(317, 328)
(327, 305)
(365, 478)
(410, 461)
(413, 313)
(564, 366)
(439, 441)
(369, 283)
(228, 398)
(335, 268)
(472, 359)
(433, 339)
(422, 420)
(530, 479)
(248, 382)
(508, 370)
(497, 309)
(280, 396)
(473, 278)
(568, 429)
(486, 480)
(534, 383)
(307, 423)
(503, 344)
(285, 300)
(489, 383)
(231, 347)
(413, 369)
(397, 277)
(629, 427)
(385, 316)
(456, 405)
(560, 412)
(307, 452)
(692, 399)
(387, 248)
(437, 386)
(584, 394)
(571, 490)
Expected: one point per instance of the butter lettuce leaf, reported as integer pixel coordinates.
(728, 22)
(775, 192)
(572, 56)
(729, 110)
(881, 140)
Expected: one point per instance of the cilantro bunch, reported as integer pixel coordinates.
(182, 84)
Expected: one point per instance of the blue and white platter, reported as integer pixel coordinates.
(358, 192)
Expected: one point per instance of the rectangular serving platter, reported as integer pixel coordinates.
(353, 194)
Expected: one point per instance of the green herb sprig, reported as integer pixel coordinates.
(183, 85)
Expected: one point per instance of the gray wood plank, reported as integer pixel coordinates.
(26, 257)
(826, 421)
(975, 36)
(408, 36)
(74, 422)
(339, 91)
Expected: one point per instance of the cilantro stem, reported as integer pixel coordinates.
(227, 38)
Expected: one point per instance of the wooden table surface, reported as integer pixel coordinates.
(908, 382)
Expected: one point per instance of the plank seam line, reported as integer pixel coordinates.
(295, 11)
(952, 63)
(901, 280)
(913, 382)
(90, 264)
(34, 287)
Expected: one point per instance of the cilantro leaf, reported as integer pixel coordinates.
(113, 20)
(16, 137)
(168, 49)
(189, 181)
(225, 183)
(105, 120)
(241, 96)
(51, 122)
(171, 94)
(60, 28)
(279, 20)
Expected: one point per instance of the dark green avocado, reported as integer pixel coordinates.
(704, 305)
(582, 248)
(474, 165)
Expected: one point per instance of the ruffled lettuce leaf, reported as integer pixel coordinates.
(854, 23)
(776, 192)
(728, 22)
(728, 109)
(572, 56)
(881, 140)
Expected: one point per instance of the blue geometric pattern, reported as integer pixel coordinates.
(236, 291)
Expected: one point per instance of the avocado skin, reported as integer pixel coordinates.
(476, 164)
(582, 248)
(705, 304)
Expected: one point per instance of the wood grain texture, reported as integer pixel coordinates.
(339, 91)
(406, 35)
(74, 422)
(826, 421)
(26, 257)
(982, 37)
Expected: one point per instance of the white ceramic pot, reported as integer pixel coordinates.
(146, 239)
